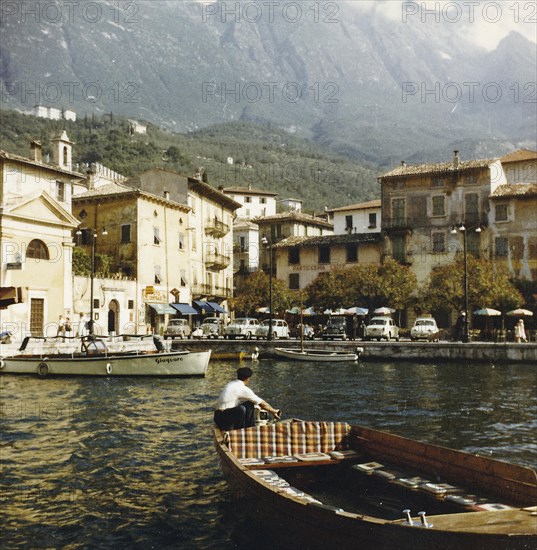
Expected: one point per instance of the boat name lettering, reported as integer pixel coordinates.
(168, 360)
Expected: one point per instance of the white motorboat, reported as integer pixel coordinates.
(95, 356)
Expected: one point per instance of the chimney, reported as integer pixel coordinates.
(36, 151)
(456, 159)
(91, 177)
(166, 194)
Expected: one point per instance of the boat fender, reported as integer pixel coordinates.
(42, 369)
(108, 368)
(2, 364)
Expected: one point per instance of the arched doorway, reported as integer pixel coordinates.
(113, 317)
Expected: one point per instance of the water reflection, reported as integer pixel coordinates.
(129, 462)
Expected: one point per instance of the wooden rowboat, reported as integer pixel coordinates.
(321, 485)
(318, 355)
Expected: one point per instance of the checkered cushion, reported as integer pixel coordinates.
(289, 438)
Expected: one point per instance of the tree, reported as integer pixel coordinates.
(488, 286)
(326, 291)
(255, 294)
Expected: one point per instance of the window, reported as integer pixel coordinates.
(263, 200)
(352, 253)
(324, 254)
(473, 243)
(471, 208)
(130, 304)
(398, 185)
(96, 303)
(183, 277)
(472, 178)
(398, 248)
(193, 241)
(398, 212)
(126, 233)
(157, 275)
(38, 250)
(181, 240)
(501, 212)
(348, 223)
(60, 191)
(276, 231)
(293, 256)
(437, 181)
(438, 205)
(439, 242)
(372, 220)
(294, 281)
(156, 235)
(501, 247)
(242, 244)
(247, 199)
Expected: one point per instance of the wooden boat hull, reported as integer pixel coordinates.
(175, 363)
(292, 522)
(316, 355)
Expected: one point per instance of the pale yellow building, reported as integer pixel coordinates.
(36, 228)
(145, 238)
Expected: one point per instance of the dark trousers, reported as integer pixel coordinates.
(236, 418)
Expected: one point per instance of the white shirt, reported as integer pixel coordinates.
(235, 393)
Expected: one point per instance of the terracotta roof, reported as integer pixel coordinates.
(117, 189)
(294, 216)
(521, 154)
(438, 168)
(329, 240)
(360, 206)
(248, 191)
(515, 190)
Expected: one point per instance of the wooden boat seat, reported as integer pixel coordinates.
(296, 437)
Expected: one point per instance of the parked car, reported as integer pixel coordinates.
(425, 328)
(242, 327)
(381, 327)
(280, 329)
(212, 327)
(336, 327)
(177, 328)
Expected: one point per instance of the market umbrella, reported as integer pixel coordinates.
(294, 310)
(357, 311)
(488, 311)
(384, 311)
(308, 311)
(339, 311)
(520, 313)
(263, 310)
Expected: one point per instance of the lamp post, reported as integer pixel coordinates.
(466, 323)
(94, 234)
(268, 244)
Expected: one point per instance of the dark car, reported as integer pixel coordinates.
(336, 327)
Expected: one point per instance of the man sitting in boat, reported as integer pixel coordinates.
(235, 408)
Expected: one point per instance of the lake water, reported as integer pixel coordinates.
(129, 463)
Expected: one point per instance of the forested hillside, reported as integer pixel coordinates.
(262, 156)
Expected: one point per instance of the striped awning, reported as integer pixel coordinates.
(217, 307)
(162, 309)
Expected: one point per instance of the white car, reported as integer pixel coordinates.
(381, 327)
(280, 329)
(177, 328)
(242, 327)
(425, 328)
(212, 327)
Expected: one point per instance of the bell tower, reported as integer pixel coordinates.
(62, 151)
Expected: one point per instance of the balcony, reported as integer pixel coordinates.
(216, 262)
(216, 228)
(200, 290)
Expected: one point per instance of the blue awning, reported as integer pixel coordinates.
(162, 309)
(184, 309)
(203, 306)
(217, 307)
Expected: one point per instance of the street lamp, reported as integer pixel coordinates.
(268, 244)
(466, 324)
(94, 234)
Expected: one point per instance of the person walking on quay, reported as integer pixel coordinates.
(520, 332)
(459, 327)
(235, 408)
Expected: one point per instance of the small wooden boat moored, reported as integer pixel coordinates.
(321, 485)
(318, 355)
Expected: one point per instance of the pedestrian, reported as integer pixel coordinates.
(520, 332)
(81, 328)
(362, 329)
(61, 326)
(460, 327)
(235, 408)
